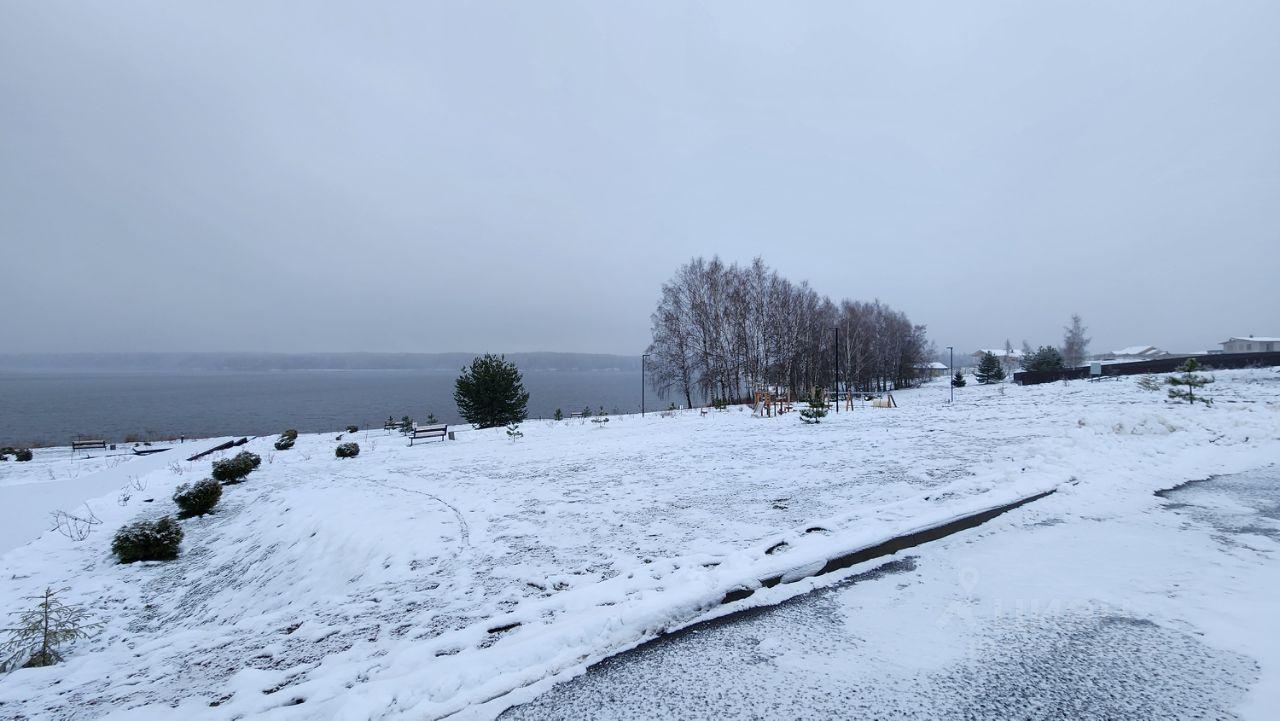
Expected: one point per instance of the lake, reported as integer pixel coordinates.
(43, 408)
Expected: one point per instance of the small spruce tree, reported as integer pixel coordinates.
(41, 631)
(559, 416)
(817, 409)
(1047, 358)
(989, 370)
(958, 381)
(490, 393)
(513, 431)
(1183, 387)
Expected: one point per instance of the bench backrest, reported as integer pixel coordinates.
(438, 429)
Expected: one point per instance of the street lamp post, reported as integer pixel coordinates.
(643, 357)
(951, 378)
(837, 370)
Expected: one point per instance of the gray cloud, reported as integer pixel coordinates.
(296, 176)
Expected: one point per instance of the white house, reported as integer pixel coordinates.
(1009, 359)
(1252, 344)
(932, 370)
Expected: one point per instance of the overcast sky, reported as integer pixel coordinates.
(249, 176)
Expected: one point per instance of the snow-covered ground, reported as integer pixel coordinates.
(391, 585)
(1158, 609)
(56, 479)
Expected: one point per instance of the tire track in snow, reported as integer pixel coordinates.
(464, 529)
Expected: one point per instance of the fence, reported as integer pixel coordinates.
(1168, 364)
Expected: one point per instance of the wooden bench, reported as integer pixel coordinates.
(439, 430)
(82, 444)
(390, 424)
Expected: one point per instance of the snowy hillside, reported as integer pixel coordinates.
(464, 576)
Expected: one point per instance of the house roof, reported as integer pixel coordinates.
(1260, 338)
(999, 352)
(933, 366)
(1136, 350)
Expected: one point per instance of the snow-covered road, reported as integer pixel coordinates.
(1049, 612)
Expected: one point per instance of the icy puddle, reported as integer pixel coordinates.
(1003, 622)
(1237, 506)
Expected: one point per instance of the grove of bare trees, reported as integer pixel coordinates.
(724, 331)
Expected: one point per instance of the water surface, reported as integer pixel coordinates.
(52, 407)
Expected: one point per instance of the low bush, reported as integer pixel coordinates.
(228, 470)
(148, 541)
(285, 442)
(353, 429)
(347, 450)
(198, 499)
(1150, 382)
(233, 470)
(22, 454)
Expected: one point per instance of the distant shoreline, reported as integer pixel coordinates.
(527, 361)
(299, 370)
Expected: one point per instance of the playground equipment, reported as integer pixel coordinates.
(768, 403)
(886, 402)
(877, 399)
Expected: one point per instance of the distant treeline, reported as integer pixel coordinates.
(304, 361)
(724, 331)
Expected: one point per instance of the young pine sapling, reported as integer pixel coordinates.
(1183, 387)
(41, 631)
(817, 409)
